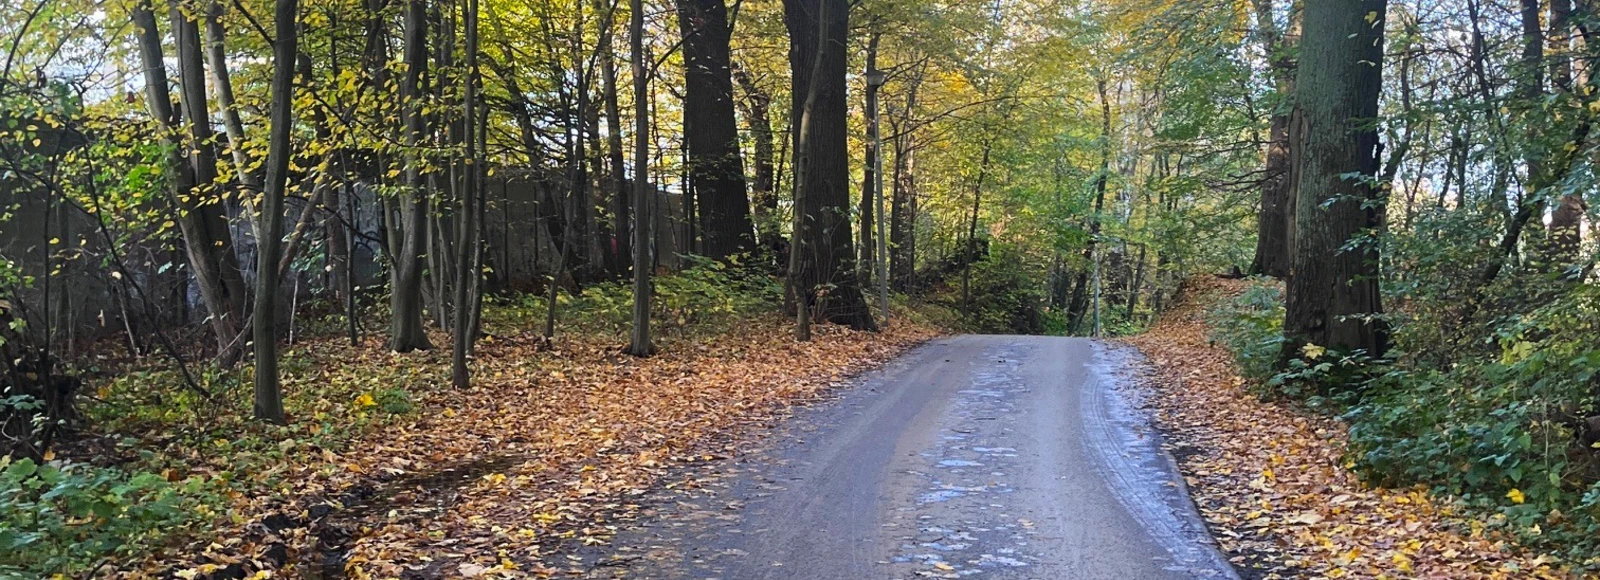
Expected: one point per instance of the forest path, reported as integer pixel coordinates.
(983, 456)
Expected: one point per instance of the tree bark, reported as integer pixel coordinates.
(406, 329)
(1273, 231)
(715, 165)
(639, 343)
(268, 395)
(823, 275)
(1333, 295)
(208, 244)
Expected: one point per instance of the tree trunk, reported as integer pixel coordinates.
(207, 241)
(222, 87)
(467, 240)
(1333, 295)
(972, 233)
(823, 276)
(757, 109)
(406, 329)
(1273, 238)
(620, 246)
(1566, 221)
(1079, 305)
(640, 343)
(268, 395)
(712, 131)
(868, 168)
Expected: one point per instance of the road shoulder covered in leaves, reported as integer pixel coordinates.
(1273, 484)
(543, 452)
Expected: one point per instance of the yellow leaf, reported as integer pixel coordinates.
(1515, 495)
(366, 400)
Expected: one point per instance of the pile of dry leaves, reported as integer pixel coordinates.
(1273, 484)
(549, 444)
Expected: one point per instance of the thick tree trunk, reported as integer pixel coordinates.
(715, 165)
(823, 275)
(1333, 295)
(406, 330)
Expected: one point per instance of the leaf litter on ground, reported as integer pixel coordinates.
(1273, 483)
(552, 441)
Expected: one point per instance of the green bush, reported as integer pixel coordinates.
(67, 518)
(1005, 298)
(1250, 325)
(1501, 433)
(705, 295)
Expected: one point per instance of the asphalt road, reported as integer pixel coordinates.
(975, 456)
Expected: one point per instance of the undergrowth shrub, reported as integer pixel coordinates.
(1509, 434)
(1507, 426)
(1005, 299)
(68, 518)
(1250, 325)
(704, 296)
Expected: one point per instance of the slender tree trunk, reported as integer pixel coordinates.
(640, 343)
(1566, 221)
(467, 240)
(268, 395)
(407, 332)
(620, 246)
(903, 221)
(757, 108)
(1333, 297)
(222, 87)
(1079, 305)
(868, 167)
(1273, 237)
(207, 242)
(972, 233)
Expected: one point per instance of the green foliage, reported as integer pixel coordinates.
(1504, 433)
(1005, 297)
(396, 401)
(705, 296)
(1251, 327)
(65, 518)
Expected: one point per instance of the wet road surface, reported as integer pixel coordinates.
(975, 456)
